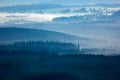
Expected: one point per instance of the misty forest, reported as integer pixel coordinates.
(59, 40)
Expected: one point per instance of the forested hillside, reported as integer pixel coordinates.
(24, 34)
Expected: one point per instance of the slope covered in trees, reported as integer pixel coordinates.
(49, 60)
(24, 34)
(65, 67)
(33, 48)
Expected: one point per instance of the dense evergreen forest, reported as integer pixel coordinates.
(38, 48)
(49, 60)
(59, 40)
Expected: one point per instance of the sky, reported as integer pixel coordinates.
(67, 2)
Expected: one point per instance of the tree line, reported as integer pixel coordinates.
(38, 48)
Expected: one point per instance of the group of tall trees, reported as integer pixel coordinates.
(38, 48)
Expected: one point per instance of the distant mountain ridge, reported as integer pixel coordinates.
(115, 17)
(31, 7)
(24, 34)
(22, 8)
(104, 4)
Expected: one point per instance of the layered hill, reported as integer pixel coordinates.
(24, 34)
